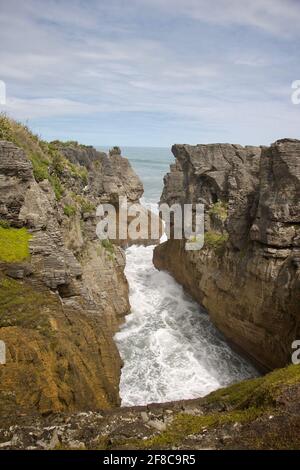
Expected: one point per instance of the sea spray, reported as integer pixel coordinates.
(170, 349)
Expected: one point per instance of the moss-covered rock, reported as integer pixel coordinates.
(14, 244)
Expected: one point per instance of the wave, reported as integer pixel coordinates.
(170, 348)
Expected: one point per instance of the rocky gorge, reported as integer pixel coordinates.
(64, 295)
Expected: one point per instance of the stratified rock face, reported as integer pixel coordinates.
(247, 275)
(110, 176)
(61, 306)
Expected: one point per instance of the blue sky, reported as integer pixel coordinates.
(152, 72)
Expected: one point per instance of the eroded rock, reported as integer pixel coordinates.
(247, 275)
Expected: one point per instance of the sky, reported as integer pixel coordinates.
(152, 72)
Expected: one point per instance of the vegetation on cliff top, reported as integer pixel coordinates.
(14, 244)
(69, 143)
(47, 161)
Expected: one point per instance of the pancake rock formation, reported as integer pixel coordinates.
(247, 275)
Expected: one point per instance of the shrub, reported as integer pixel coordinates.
(78, 171)
(57, 186)
(220, 209)
(216, 241)
(40, 167)
(115, 151)
(5, 128)
(109, 247)
(57, 162)
(69, 210)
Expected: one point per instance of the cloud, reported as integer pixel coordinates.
(46, 107)
(274, 16)
(156, 69)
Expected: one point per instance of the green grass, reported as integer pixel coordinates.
(184, 425)
(14, 244)
(68, 143)
(258, 392)
(85, 204)
(69, 210)
(220, 209)
(79, 172)
(47, 161)
(109, 247)
(40, 167)
(216, 241)
(5, 128)
(243, 402)
(56, 186)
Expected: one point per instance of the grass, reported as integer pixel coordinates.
(40, 167)
(219, 209)
(47, 161)
(243, 402)
(184, 425)
(69, 210)
(85, 204)
(79, 172)
(107, 244)
(14, 244)
(56, 186)
(5, 128)
(259, 392)
(68, 143)
(216, 241)
(109, 248)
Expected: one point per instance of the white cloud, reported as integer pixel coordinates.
(24, 109)
(274, 16)
(147, 57)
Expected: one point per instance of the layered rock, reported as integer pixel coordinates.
(60, 304)
(247, 275)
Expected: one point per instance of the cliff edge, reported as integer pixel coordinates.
(63, 293)
(247, 275)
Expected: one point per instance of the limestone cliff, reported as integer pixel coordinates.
(63, 293)
(247, 275)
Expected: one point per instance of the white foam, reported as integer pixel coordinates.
(170, 349)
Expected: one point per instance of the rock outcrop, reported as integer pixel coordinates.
(247, 275)
(63, 293)
(262, 413)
